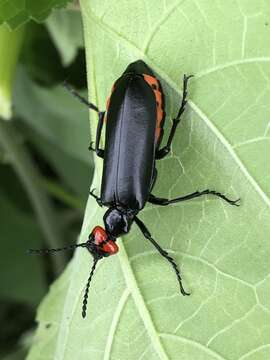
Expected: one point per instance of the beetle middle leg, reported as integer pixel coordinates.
(162, 252)
(163, 202)
(98, 151)
(101, 114)
(98, 199)
(161, 153)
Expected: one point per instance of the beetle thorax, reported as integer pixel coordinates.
(118, 221)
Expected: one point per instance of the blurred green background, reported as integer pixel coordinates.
(46, 172)
(45, 169)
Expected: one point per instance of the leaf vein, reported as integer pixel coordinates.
(236, 321)
(140, 303)
(114, 323)
(253, 351)
(158, 25)
(194, 343)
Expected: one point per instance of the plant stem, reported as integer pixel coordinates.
(23, 165)
(10, 44)
(63, 195)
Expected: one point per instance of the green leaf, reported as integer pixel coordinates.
(16, 355)
(23, 165)
(10, 44)
(55, 114)
(65, 27)
(19, 232)
(135, 310)
(60, 129)
(38, 43)
(19, 351)
(16, 12)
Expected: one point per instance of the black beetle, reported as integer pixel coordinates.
(134, 119)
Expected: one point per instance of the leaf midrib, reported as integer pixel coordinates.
(114, 323)
(132, 285)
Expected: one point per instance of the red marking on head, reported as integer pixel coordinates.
(99, 234)
(110, 247)
(101, 240)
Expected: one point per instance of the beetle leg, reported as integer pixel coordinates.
(99, 152)
(163, 202)
(101, 114)
(154, 178)
(96, 148)
(161, 153)
(98, 199)
(79, 97)
(90, 147)
(162, 252)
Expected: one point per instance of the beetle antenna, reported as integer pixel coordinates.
(85, 298)
(69, 88)
(51, 251)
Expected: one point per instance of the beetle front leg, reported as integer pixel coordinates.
(167, 148)
(162, 252)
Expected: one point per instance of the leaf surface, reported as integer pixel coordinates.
(66, 31)
(16, 12)
(15, 285)
(135, 310)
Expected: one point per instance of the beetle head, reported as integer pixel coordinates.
(101, 244)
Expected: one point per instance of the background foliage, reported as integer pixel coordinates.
(135, 311)
(45, 143)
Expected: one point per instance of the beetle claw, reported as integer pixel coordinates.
(90, 147)
(235, 202)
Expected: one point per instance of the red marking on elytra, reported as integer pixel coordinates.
(159, 100)
(151, 80)
(108, 102)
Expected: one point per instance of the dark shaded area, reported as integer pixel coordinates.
(17, 318)
(19, 229)
(43, 62)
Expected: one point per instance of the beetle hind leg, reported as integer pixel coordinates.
(98, 199)
(161, 153)
(163, 202)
